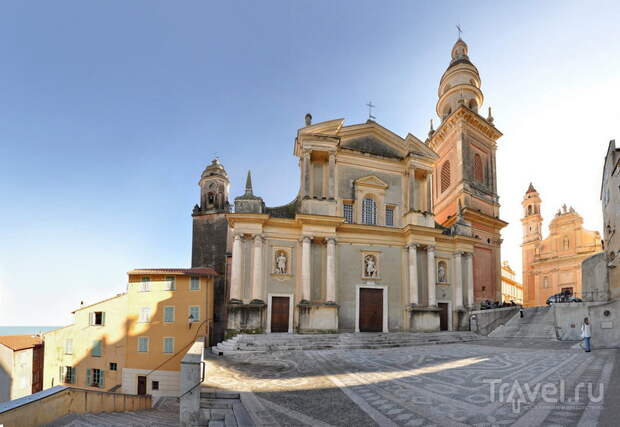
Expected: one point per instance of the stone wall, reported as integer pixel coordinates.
(486, 321)
(49, 405)
(595, 278)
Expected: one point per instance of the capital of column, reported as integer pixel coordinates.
(330, 240)
(237, 235)
(306, 153)
(412, 246)
(430, 248)
(305, 239)
(258, 239)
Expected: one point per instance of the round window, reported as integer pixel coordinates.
(607, 313)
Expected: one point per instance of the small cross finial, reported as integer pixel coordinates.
(370, 107)
(458, 27)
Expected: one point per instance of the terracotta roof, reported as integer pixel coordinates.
(206, 271)
(20, 342)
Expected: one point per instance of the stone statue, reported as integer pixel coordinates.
(441, 275)
(564, 207)
(308, 119)
(370, 268)
(281, 263)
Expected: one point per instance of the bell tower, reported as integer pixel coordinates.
(532, 236)
(465, 176)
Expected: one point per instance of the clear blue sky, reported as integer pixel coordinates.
(110, 110)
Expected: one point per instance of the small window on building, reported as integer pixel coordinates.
(143, 344)
(145, 284)
(210, 198)
(155, 385)
(445, 176)
(478, 168)
(566, 243)
(369, 211)
(113, 366)
(69, 346)
(97, 348)
(347, 209)
(97, 318)
(68, 375)
(389, 216)
(145, 315)
(170, 284)
(194, 284)
(194, 313)
(169, 314)
(94, 378)
(169, 345)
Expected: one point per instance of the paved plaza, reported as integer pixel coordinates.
(521, 382)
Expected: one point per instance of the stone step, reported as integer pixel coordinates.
(216, 403)
(219, 395)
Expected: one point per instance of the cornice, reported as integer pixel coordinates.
(464, 114)
(471, 214)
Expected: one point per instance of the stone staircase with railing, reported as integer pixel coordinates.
(245, 343)
(537, 322)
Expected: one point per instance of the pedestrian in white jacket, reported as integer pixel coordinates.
(586, 334)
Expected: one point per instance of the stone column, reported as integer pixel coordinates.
(235, 274)
(306, 175)
(330, 283)
(470, 279)
(305, 268)
(432, 300)
(411, 188)
(458, 280)
(414, 298)
(257, 271)
(331, 183)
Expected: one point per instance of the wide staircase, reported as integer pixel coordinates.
(262, 343)
(537, 322)
(155, 417)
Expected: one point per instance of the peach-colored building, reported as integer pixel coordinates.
(553, 265)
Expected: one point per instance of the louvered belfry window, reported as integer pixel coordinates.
(445, 176)
(478, 169)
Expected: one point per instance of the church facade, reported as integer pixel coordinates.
(386, 233)
(553, 265)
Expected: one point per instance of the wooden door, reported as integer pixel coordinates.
(141, 384)
(279, 314)
(371, 310)
(443, 316)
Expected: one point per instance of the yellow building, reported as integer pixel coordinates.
(553, 265)
(134, 341)
(512, 291)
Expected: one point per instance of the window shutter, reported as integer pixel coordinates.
(91, 318)
(62, 374)
(103, 318)
(88, 377)
(74, 378)
(101, 381)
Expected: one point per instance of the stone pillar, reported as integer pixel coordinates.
(458, 280)
(330, 283)
(470, 279)
(306, 175)
(414, 298)
(411, 188)
(429, 192)
(257, 271)
(235, 274)
(305, 268)
(432, 300)
(331, 183)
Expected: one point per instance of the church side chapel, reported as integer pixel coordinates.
(386, 233)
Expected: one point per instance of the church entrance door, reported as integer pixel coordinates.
(279, 314)
(371, 310)
(443, 316)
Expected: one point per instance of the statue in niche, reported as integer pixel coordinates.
(370, 266)
(281, 262)
(441, 273)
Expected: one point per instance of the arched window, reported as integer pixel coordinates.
(210, 198)
(478, 168)
(369, 211)
(445, 176)
(566, 243)
(529, 210)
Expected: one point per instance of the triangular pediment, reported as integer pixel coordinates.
(370, 181)
(418, 148)
(372, 138)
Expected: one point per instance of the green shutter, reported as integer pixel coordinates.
(103, 318)
(91, 318)
(62, 377)
(88, 377)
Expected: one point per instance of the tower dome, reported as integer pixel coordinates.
(460, 83)
(214, 188)
(214, 169)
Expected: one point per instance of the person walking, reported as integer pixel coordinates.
(586, 334)
(521, 312)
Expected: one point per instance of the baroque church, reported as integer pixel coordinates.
(553, 265)
(387, 233)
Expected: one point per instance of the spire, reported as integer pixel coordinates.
(248, 185)
(431, 132)
(531, 189)
(490, 117)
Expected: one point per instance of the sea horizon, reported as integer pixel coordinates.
(25, 330)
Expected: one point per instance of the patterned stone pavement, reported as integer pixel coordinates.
(491, 382)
